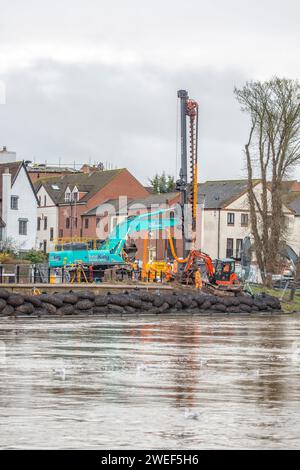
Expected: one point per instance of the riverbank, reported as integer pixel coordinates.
(87, 302)
(288, 306)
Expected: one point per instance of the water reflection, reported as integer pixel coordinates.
(128, 382)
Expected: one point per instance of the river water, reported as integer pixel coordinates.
(174, 382)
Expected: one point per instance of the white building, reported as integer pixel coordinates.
(225, 221)
(47, 219)
(18, 203)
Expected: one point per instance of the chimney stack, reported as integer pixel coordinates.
(6, 156)
(6, 193)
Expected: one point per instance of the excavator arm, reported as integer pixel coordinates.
(145, 222)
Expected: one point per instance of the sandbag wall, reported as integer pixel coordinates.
(137, 301)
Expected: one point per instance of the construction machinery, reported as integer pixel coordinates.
(223, 272)
(116, 250)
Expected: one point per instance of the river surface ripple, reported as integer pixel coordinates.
(161, 382)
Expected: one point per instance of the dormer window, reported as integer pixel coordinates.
(68, 195)
(75, 195)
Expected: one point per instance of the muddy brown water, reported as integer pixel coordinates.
(174, 382)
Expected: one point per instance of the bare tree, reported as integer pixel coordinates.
(272, 152)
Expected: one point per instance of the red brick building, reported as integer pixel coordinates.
(65, 201)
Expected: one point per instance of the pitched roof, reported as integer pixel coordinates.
(14, 169)
(153, 199)
(88, 183)
(113, 202)
(218, 194)
(147, 202)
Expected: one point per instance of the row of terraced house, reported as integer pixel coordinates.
(43, 204)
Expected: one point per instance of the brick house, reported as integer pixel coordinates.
(65, 201)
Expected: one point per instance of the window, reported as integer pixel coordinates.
(229, 248)
(51, 234)
(68, 222)
(40, 200)
(75, 220)
(68, 196)
(75, 196)
(230, 218)
(239, 248)
(23, 226)
(38, 227)
(45, 200)
(86, 223)
(61, 233)
(14, 202)
(45, 223)
(244, 220)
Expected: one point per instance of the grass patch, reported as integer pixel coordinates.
(286, 305)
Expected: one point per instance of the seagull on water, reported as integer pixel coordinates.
(189, 414)
(60, 373)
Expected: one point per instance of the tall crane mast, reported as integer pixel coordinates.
(188, 186)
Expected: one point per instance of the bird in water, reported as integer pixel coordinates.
(60, 373)
(141, 367)
(189, 414)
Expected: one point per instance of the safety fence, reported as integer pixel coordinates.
(42, 273)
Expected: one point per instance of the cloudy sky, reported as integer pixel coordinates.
(97, 80)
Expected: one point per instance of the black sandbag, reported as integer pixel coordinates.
(34, 300)
(200, 299)
(101, 300)
(4, 294)
(219, 307)
(118, 299)
(246, 300)
(84, 304)
(244, 308)
(154, 311)
(69, 298)
(85, 294)
(146, 306)
(206, 305)
(134, 302)
(27, 308)
(130, 309)
(39, 312)
(158, 301)
(51, 299)
(112, 308)
(171, 299)
(15, 300)
(194, 305)
(83, 312)
(66, 309)
(51, 309)
(254, 308)
(7, 311)
(178, 305)
(164, 307)
(233, 309)
(147, 297)
(186, 300)
(98, 310)
(2, 304)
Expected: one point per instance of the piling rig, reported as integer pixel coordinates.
(223, 273)
(189, 110)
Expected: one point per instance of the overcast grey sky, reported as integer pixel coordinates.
(98, 80)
